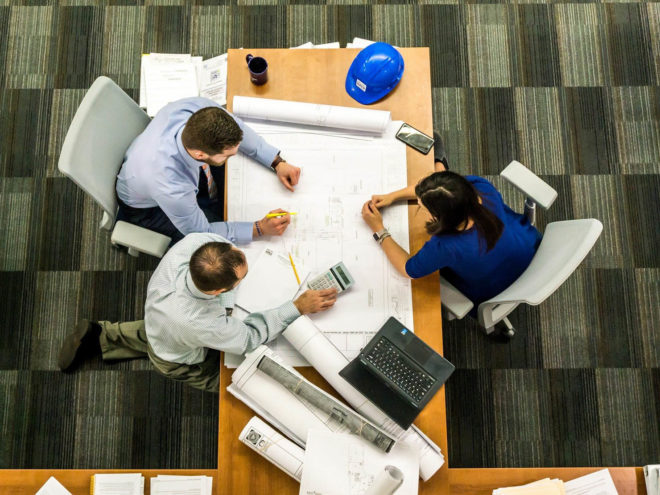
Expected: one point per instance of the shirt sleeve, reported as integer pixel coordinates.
(183, 211)
(238, 337)
(254, 146)
(433, 256)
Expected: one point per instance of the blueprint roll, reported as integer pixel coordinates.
(387, 482)
(310, 342)
(314, 114)
(268, 443)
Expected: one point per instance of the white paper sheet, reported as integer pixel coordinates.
(213, 79)
(270, 282)
(339, 174)
(269, 444)
(118, 484)
(340, 464)
(53, 487)
(148, 58)
(596, 483)
(168, 80)
(359, 119)
(180, 485)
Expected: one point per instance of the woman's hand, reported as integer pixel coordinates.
(372, 216)
(382, 200)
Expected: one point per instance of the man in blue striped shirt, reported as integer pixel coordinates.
(187, 316)
(172, 179)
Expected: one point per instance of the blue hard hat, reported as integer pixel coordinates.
(375, 71)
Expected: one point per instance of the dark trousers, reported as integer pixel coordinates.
(155, 219)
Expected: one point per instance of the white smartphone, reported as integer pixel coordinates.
(414, 138)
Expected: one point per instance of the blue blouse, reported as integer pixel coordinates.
(462, 257)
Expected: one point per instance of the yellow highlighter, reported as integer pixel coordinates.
(295, 272)
(281, 214)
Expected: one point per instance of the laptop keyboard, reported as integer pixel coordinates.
(389, 360)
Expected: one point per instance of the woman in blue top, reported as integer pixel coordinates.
(477, 242)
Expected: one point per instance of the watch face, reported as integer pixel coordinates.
(376, 236)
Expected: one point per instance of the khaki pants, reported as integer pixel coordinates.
(128, 340)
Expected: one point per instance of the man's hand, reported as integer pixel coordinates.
(382, 200)
(372, 216)
(275, 225)
(288, 174)
(313, 301)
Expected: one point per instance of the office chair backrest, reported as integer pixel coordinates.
(564, 246)
(105, 124)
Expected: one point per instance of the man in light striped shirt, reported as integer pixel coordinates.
(188, 319)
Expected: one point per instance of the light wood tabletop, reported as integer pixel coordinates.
(319, 76)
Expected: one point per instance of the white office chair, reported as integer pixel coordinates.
(564, 246)
(105, 124)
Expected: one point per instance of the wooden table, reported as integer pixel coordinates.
(318, 76)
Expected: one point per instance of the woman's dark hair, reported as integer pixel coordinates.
(213, 266)
(452, 201)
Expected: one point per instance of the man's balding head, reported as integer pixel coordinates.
(217, 266)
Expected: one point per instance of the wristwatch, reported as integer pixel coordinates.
(381, 235)
(276, 162)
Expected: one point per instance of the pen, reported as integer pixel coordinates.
(295, 272)
(275, 215)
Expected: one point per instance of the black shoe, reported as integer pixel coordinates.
(82, 343)
(439, 153)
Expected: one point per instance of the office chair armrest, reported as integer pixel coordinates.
(140, 239)
(453, 300)
(529, 184)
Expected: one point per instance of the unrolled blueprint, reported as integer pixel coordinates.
(341, 169)
(352, 465)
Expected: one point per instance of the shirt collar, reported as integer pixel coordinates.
(189, 160)
(192, 288)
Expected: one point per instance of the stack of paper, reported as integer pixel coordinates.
(53, 487)
(309, 44)
(117, 484)
(167, 77)
(545, 486)
(596, 483)
(190, 485)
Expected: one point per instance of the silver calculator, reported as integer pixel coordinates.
(336, 277)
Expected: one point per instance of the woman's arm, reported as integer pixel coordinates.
(383, 200)
(395, 253)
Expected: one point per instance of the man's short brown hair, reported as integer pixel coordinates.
(211, 130)
(213, 266)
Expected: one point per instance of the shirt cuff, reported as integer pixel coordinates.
(243, 232)
(288, 313)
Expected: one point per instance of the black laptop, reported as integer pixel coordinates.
(398, 372)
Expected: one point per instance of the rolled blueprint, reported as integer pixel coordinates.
(268, 443)
(310, 342)
(387, 482)
(288, 412)
(301, 387)
(357, 119)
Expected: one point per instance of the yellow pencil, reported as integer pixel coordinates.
(275, 215)
(295, 272)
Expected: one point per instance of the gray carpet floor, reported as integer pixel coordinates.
(569, 89)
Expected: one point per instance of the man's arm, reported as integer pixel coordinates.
(186, 215)
(238, 337)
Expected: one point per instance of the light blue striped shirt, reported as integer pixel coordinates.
(158, 171)
(182, 322)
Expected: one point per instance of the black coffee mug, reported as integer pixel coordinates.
(258, 68)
